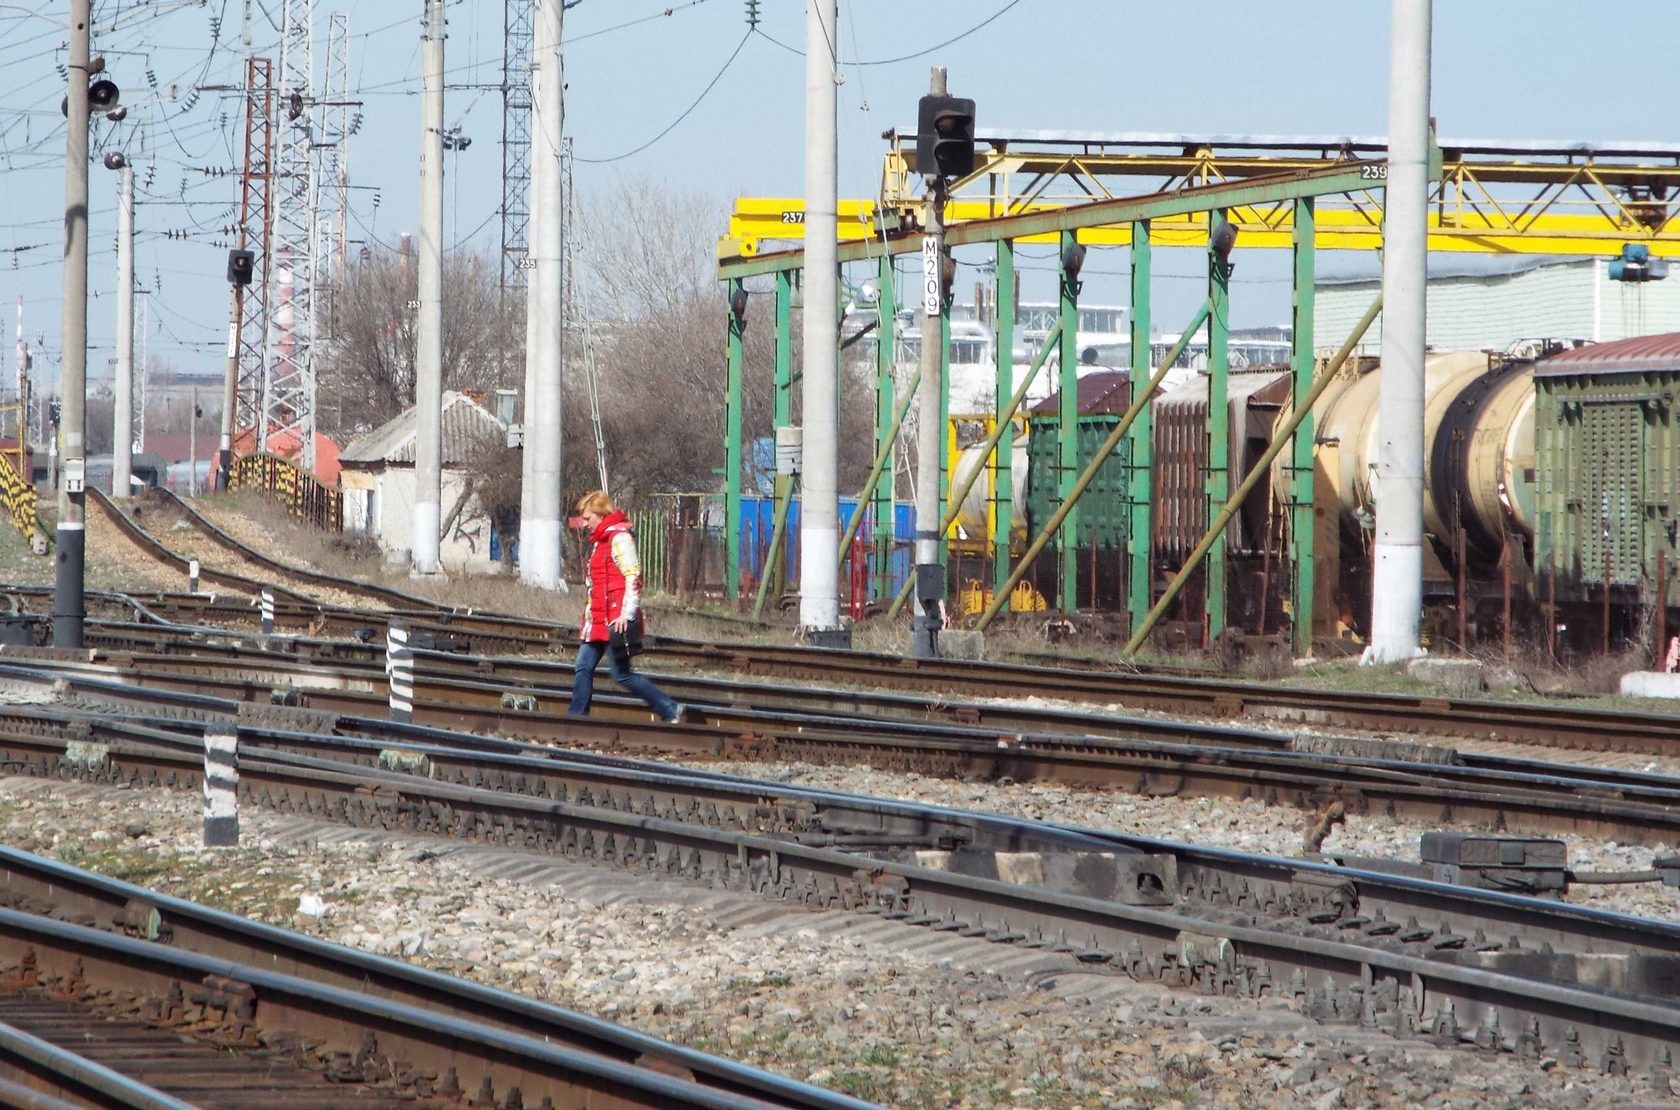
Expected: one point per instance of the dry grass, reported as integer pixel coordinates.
(20, 566)
(254, 520)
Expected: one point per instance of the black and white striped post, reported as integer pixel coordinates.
(399, 671)
(192, 576)
(267, 612)
(221, 787)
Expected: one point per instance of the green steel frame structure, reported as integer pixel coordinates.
(1218, 202)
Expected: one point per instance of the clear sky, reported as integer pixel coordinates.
(1514, 69)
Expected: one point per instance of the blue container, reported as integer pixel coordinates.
(758, 525)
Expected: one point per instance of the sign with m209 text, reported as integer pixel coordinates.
(930, 276)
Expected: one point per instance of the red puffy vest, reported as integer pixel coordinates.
(608, 584)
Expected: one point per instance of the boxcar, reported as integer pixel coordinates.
(1607, 454)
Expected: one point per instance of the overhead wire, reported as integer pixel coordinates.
(902, 57)
(631, 23)
(132, 31)
(718, 76)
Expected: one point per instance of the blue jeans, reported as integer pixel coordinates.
(618, 669)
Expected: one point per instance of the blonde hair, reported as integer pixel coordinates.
(595, 501)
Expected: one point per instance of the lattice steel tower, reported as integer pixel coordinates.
(516, 146)
(332, 172)
(288, 401)
(255, 192)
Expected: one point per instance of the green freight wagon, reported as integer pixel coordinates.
(1607, 461)
(1103, 398)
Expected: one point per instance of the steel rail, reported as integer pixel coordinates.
(31, 1055)
(254, 998)
(220, 647)
(1344, 971)
(144, 539)
(1231, 879)
(389, 595)
(1518, 796)
(1549, 724)
(1553, 725)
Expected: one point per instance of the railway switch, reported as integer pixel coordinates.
(1519, 864)
(1132, 879)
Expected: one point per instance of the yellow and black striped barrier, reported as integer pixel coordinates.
(20, 499)
(303, 495)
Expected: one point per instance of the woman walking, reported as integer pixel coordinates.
(612, 617)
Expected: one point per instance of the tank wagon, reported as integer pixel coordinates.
(1551, 481)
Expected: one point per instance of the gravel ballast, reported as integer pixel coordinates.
(825, 997)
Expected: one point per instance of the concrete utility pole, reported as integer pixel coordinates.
(68, 605)
(122, 432)
(819, 506)
(539, 530)
(144, 368)
(1397, 573)
(930, 573)
(528, 499)
(22, 395)
(192, 442)
(428, 371)
(230, 392)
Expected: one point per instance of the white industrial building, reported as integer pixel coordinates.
(1481, 303)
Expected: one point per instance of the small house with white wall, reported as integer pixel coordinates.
(377, 477)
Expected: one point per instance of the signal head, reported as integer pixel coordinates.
(945, 136)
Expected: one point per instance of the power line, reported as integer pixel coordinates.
(631, 23)
(672, 125)
(901, 57)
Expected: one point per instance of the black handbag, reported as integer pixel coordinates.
(629, 642)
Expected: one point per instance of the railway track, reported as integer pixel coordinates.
(988, 687)
(1352, 944)
(522, 699)
(117, 996)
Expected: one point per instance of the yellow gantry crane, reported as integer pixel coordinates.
(1491, 197)
(1147, 191)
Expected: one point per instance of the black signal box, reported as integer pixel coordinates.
(240, 265)
(945, 136)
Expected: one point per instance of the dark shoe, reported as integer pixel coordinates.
(676, 715)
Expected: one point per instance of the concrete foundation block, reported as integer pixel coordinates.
(837, 639)
(957, 643)
(1650, 684)
(1459, 677)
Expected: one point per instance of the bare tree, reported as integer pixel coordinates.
(647, 278)
(643, 248)
(100, 409)
(366, 374)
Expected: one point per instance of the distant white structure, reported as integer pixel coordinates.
(379, 484)
(973, 380)
(1477, 303)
